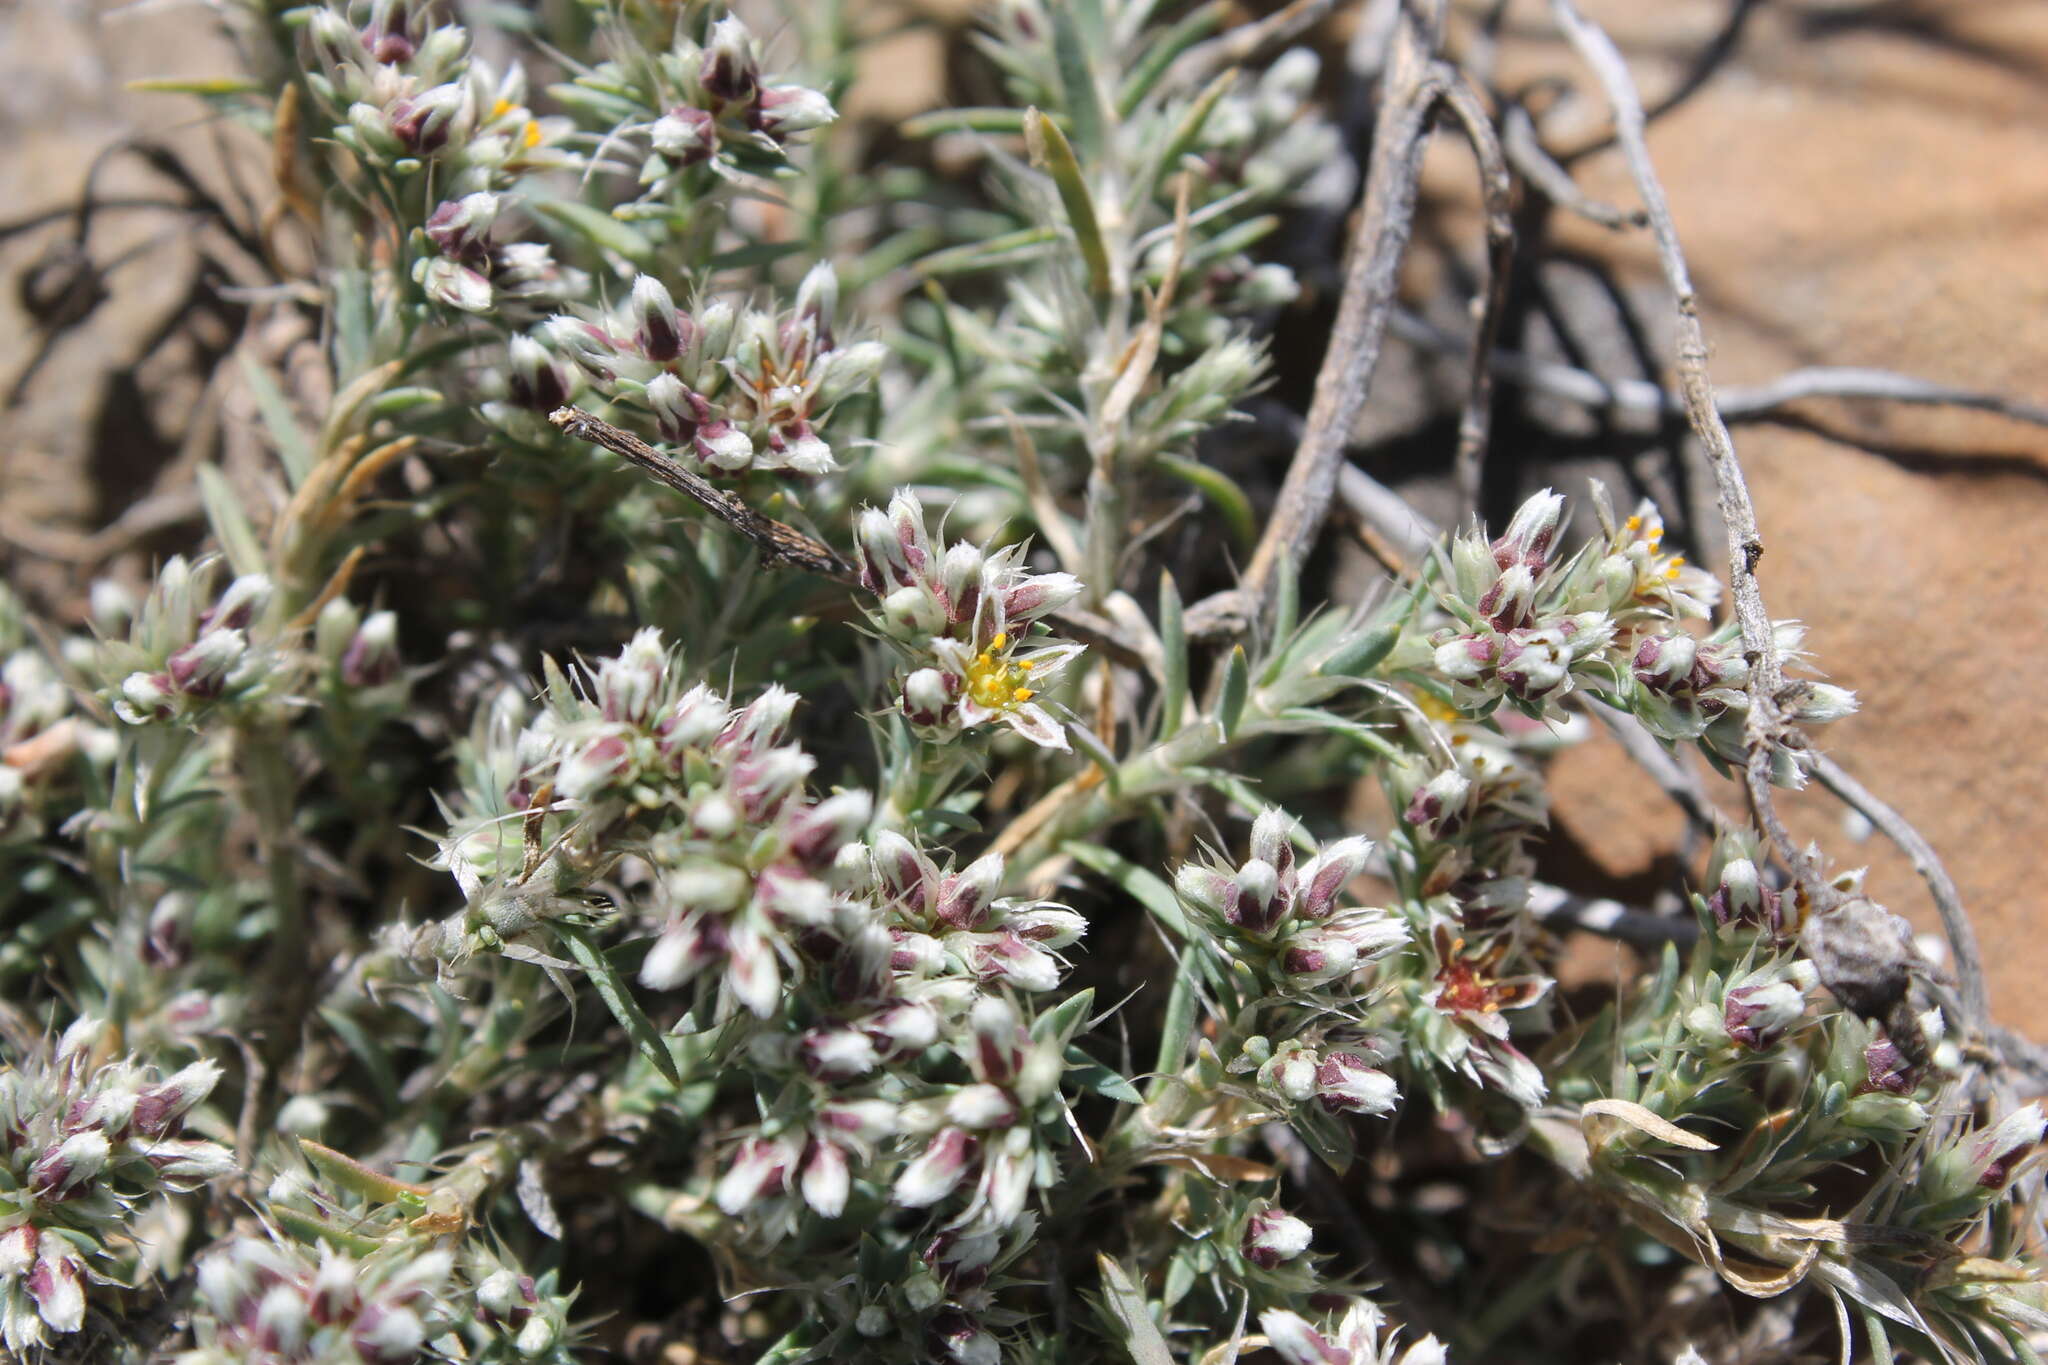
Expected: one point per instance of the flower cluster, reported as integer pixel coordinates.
(266, 1302)
(86, 1143)
(953, 923)
(1358, 1336)
(187, 650)
(963, 623)
(734, 387)
(1280, 915)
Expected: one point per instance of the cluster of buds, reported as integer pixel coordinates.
(83, 1144)
(952, 923)
(1338, 1077)
(405, 94)
(1534, 625)
(986, 1136)
(963, 623)
(735, 388)
(1761, 1007)
(1698, 690)
(1357, 1337)
(1269, 141)
(179, 657)
(703, 105)
(1969, 1173)
(264, 1302)
(1742, 900)
(516, 1316)
(1280, 915)
(712, 797)
(39, 733)
(361, 651)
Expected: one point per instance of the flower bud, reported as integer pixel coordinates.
(937, 1171)
(914, 612)
(423, 123)
(593, 767)
(1325, 876)
(243, 601)
(759, 1170)
(201, 668)
(662, 330)
(731, 73)
(146, 696)
(826, 1180)
(722, 445)
(57, 1284)
(160, 1106)
(591, 347)
(533, 380)
(681, 952)
(697, 718)
(788, 109)
(1258, 900)
(1757, 1016)
(1272, 1236)
(1997, 1154)
(927, 697)
(817, 833)
(1347, 1083)
(1318, 956)
(1437, 810)
(1530, 533)
(452, 285)
(462, 227)
(371, 659)
(1050, 926)
(69, 1164)
(966, 895)
(1743, 899)
(685, 136)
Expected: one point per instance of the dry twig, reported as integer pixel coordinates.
(1410, 88)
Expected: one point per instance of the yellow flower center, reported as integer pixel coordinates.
(531, 137)
(995, 680)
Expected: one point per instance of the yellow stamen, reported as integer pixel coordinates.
(1022, 694)
(1632, 524)
(501, 108)
(1002, 639)
(532, 135)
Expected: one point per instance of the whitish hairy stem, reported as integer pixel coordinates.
(1409, 90)
(1742, 404)
(1406, 530)
(1955, 921)
(1764, 728)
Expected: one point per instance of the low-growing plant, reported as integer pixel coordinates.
(833, 899)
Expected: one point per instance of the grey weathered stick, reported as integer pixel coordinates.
(1410, 88)
(1526, 153)
(1955, 921)
(1765, 728)
(1496, 198)
(783, 544)
(1739, 404)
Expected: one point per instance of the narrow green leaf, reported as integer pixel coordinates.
(1011, 248)
(1063, 1020)
(1183, 1003)
(612, 989)
(1089, 743)
(353, 1176)
(597, 227)
(1145, 887)
(294, 444)
(1173, 641)
(1190, 126)
(1286, 614)
(1359, 655)
(1092, 1076)
(1184, 34)
(1132, 1315)
(229, 522)
(1236, 687)
(1051, 150)
(969, 120)
(1220, 491)
(360, 1046)
(1077, 81)
(310, 1227)
(392, 402)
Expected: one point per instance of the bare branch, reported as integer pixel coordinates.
(1525, 152)
(1409, 91)
(1496, 197)
(1765, 727)
(1740, 404)
(1955, 921)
